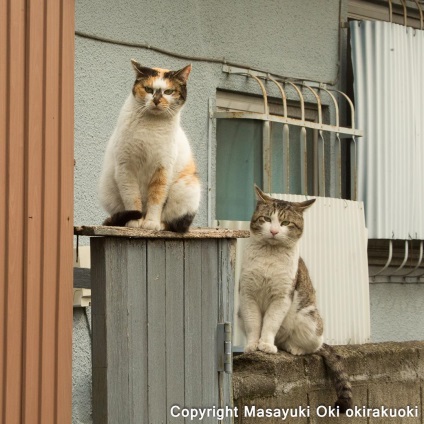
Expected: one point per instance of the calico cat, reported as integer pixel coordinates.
(277, 299)
(149, 177)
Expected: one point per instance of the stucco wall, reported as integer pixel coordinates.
(397, 312)
(290, 38)
(81, 367)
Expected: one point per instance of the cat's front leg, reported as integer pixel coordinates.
(252, 321)
(157, 193)
(273, 318)
(129, 191)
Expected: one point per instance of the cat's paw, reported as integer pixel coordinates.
(149, 224)
(267, 347)
(251, 347)
(135, 223)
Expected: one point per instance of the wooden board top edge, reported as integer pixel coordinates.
(194, 233)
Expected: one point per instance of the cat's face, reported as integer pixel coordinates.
(277, 221)
(160, 91)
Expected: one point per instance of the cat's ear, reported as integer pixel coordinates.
(260, 195)
(305, 205)
(182, 74)
(142, 71)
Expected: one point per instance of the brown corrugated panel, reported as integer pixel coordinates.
(36, 210)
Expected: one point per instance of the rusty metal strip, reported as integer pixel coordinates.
(344, 132)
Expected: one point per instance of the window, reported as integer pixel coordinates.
(242, 162)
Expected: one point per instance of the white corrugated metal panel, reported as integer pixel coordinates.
(334, 247)
(388, 65)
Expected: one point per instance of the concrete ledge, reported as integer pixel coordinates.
(388, 375)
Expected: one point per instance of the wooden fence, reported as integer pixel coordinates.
(36, 210)
(160, 303)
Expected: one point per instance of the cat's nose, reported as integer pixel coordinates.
(274, 232)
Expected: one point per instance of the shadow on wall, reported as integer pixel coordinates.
(81, 367)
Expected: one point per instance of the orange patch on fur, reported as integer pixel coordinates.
(137, 204)
(189, 173)
(156, 190)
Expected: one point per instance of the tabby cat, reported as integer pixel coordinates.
(277, 299)
(149, 177)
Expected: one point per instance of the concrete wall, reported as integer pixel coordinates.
(397, 312)
(389, 375)
(81, 372)
(290, 38)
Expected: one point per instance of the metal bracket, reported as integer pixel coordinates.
(224, 347)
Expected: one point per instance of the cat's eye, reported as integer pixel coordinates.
(285, 223)
(169, 91)
(266, 218)
(148, 90)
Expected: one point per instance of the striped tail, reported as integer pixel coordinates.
(119, 219)
(339, 377)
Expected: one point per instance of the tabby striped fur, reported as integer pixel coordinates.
(277, 298)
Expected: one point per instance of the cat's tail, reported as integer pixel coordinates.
(339, 377)
(119, 219)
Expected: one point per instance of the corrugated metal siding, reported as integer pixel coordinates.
(388, 63)
(334, 247)
(36, 204)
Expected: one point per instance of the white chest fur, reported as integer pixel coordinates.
(268, 271)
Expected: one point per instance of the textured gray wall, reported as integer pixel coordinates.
(397, 312)
(81, 367)
(293, 38)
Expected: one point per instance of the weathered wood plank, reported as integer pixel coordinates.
(226, 312)
(82, 278)
(117, 330)
(156, 365)
(194, 233)
(137, 331)
(174, 307)
(99, 339)
(193, 323)
(156, 305)
(210, 391)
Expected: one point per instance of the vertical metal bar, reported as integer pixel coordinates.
(321, 164)
(303, 161)
(286, 137)
(303, 147)
(353, 155)
(209, 194)
(266, 140)
(390, 11)
(339, 165)
(266, 156)
(405, 13)
(421, 14)
(286, 150)
(338, 170)
(321, 145)
(353, 170)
